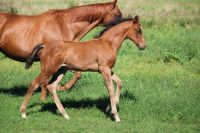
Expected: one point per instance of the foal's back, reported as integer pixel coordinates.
(81, 55)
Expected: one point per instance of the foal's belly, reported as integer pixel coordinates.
(83, 67)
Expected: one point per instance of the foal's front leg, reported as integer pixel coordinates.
(119, 86)
(32, 87)
(106, 72)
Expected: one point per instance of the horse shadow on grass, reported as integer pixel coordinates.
(17, 91)
(101, 103)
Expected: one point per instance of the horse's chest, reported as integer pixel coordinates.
(107, 59)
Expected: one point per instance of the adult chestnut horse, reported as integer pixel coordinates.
(96, 55)
(19, 34)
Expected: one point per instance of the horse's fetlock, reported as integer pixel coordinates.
(22, 108)
(120, 85)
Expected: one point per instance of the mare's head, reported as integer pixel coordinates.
(135, 33)
(114, 14)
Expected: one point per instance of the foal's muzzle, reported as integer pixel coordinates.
(142, 47)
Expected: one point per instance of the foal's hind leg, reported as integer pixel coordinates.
(75, 78)
(32, 87)
(119, 86)
(54, 78)
(43, 93)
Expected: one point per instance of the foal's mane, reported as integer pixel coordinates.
(110, 25)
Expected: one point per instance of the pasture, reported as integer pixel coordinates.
(161, 85)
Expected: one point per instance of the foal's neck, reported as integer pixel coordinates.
(117, 34)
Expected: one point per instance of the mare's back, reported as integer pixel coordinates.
(6, 18)
(15, 24)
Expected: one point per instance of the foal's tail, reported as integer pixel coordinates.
(33, 55)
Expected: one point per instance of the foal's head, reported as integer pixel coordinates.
(135, 33)
(113, 15)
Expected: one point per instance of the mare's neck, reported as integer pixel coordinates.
(89, 13)
(117, 34)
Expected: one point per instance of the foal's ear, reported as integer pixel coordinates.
(114, 3)
(136, 19)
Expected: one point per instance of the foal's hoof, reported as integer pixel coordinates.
(23, 115)
(117, 119)
(66, 116)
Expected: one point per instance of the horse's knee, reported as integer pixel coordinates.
(117, 81)
(51, 88)
(22, 108)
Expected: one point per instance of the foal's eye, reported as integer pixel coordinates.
(140, 31)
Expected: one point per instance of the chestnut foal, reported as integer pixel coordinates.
(96, 55)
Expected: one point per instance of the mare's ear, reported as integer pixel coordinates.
(136, 19)
(114, 3)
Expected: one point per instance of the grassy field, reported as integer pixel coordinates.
(161, 85)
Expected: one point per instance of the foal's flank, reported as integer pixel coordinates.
(96, 55)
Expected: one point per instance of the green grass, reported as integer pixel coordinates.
(161, 85)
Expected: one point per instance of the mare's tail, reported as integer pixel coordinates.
(33, 55)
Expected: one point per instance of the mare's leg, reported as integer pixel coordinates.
(75, 78)
(106, 72)
(54, 78)
(32, 87)
(52, 89)
(119, 86)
